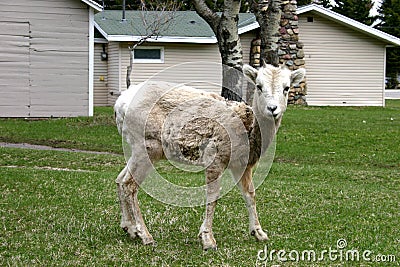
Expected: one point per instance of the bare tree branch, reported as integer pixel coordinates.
(156, 20)
(207, 14)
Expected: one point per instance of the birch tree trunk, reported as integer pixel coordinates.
(268, 15)
(225, 28)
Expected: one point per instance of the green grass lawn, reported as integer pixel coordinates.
(336, 175)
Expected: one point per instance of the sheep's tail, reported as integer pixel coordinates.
(119, 113)
(122, 104)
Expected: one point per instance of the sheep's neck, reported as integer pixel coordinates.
(260, 137)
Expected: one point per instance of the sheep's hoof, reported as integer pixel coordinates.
(149, 241)
(208, 241)
(213, 248)
(130, 229)
(259, 234)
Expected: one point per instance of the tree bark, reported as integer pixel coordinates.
(130, 66)
(129, 69)
(268, 15)
(225, 28)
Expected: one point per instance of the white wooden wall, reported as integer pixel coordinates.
(47, 44)
(344, 67)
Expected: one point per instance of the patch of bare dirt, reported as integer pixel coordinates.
(42, 147)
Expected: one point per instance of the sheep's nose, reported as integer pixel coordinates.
(272, 108)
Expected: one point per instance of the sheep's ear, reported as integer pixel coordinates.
(297, 76)
(250, 72)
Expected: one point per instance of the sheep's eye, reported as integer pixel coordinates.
(286, 89)
(259, 87)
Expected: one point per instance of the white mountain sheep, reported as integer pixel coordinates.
(185, 124)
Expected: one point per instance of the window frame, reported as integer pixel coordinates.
(149, 60)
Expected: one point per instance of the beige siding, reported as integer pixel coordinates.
(100, 76)
(14, 69)
(114, 71)
(58, 54)
(344, 66)
(197, 65)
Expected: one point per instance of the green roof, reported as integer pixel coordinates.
(189, 27)
(185, 24)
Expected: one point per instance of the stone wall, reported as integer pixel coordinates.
(290, 50)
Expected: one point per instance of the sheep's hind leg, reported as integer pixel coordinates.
(213, 189)
(128, 223)
(130, 187)
(246, 186)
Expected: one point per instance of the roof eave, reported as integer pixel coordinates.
(350, 22)
(100, 41)
(93, 5)
(248, 28)
(96, 25)
(163, 39)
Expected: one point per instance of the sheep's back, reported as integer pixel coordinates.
(190, 124)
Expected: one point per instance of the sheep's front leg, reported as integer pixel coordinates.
(128, 223)
(130, 187)
(213, 189)
(247, 188)
(141, 228)
(206, 235)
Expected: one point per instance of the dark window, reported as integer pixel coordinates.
(148, 53)
(310, 19)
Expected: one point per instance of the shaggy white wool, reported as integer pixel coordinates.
(165, 120)
(122, 104)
